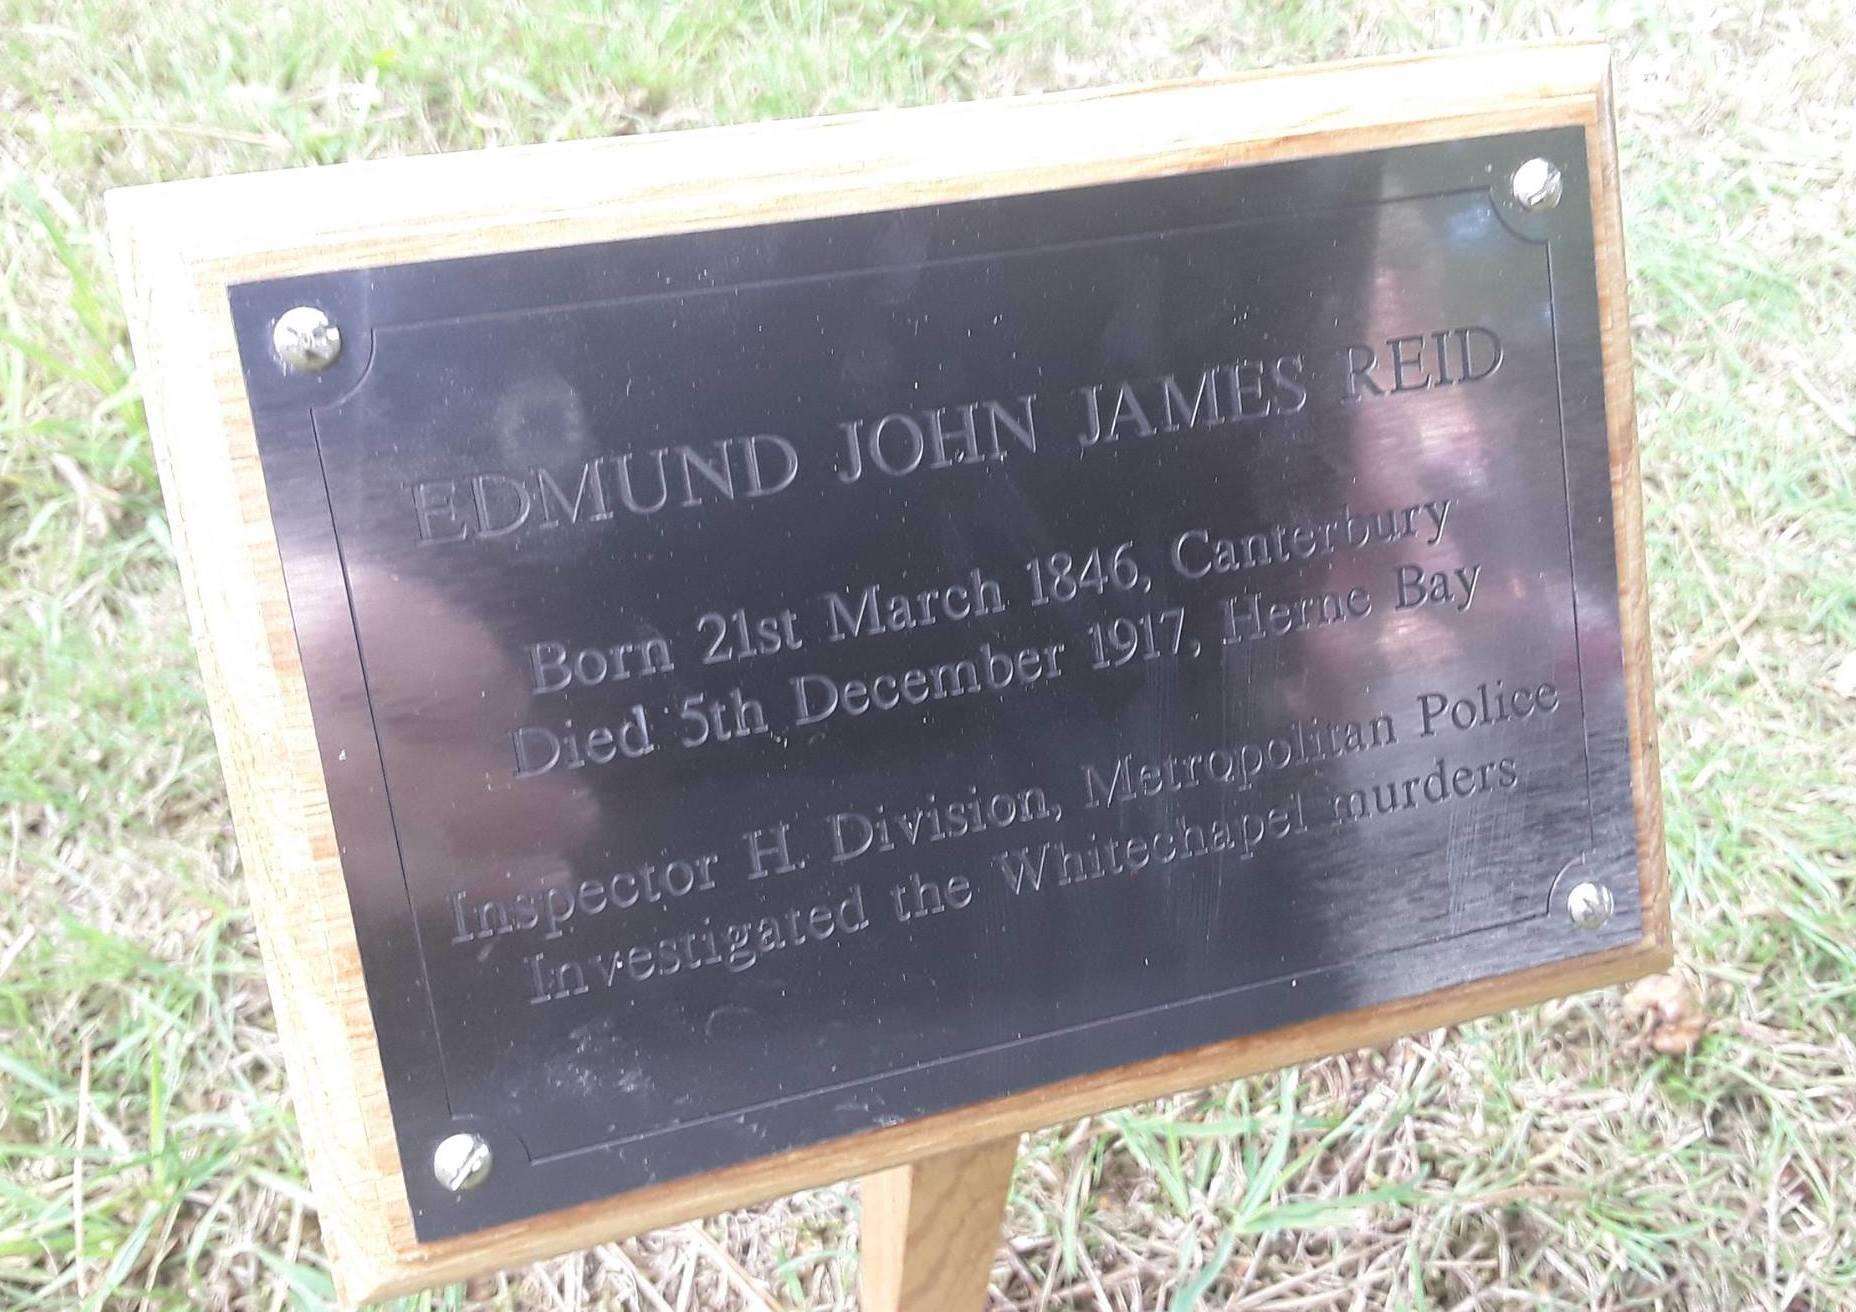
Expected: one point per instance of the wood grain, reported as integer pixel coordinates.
(1627, 511)
(180, 245)
(931, 1229)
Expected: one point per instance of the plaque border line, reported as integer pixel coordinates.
(412, 1129)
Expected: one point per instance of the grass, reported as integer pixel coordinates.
(1552, 1158)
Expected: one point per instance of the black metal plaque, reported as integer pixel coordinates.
(781, 681)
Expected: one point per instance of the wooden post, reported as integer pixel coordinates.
(931, 1228)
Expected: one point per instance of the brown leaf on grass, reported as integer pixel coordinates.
(1668, 1012)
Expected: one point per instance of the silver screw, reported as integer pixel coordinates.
(1537, 185)
(1589, 905)
(461, 1161)
(306, 340)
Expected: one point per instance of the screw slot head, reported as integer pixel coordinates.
(1590, 905)
(461, 1161)
(306, 340)
(1537, 185)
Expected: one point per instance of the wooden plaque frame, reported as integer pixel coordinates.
(181, 245)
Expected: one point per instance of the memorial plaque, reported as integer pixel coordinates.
(793, 678)
(780, 681)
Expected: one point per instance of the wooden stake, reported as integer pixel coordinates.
(931, 1229)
